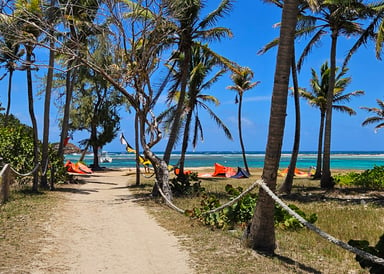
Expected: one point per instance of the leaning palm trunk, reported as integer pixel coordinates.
(288, 182)
(326, 179)
(186, 50)
(260, 234)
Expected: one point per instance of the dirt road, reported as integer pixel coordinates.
(99, 229)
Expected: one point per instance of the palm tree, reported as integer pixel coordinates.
(10, 53)
(202, 65)
(378, 119)
(340, 18)
(318, 98)
(260, 234)
(242, 82)
(50, 14)
(189, 28)
(29, 14)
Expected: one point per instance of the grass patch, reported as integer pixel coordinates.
(345, 213)
(22, 229)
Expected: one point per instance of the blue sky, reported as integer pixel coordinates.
(252, 25)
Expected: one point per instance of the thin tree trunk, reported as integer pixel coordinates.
(85, 150)
(11, 70)
(288, 182)
(260, 234)
(67, 108)
(326, 179)
(320, 147)
(47, 108)
(184, 145)
(33, 118)
(241, 134)
(138, 172)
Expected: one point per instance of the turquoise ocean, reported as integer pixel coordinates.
(339, 159)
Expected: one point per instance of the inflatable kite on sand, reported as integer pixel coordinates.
(77, 168)
(227, 172)
(298, 173)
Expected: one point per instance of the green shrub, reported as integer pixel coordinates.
(16, 149)
(182, 186)
(370, 178)
(241, 212)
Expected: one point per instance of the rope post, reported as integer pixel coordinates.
(4, 187)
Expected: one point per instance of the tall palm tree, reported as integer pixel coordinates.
(51, 13)
(202, 65)
(318, 98)
(10, 54)
(379, 118)
(260, 234)
(242, 82)
(339, 17)
(189, 29)
(29, 16)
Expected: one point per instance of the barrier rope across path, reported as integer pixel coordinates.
(261, 183)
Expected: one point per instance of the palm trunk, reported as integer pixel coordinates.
(47, 107)
(260, 234)
(241, 134)
(320, 147)
(288, 182)
(11, 70)
(67, 108)
(326, 179)
(137, 149)
(186, 50)
(184, 145)
(33, 118)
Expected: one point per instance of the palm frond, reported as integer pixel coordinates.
(373, 120)
(308, 48)
(344, 109)
(218, 121)
(212, 18)
(379, 112)
(341, 98)
(214, 34)
(269, 46)
(197, 131)
(368, 33)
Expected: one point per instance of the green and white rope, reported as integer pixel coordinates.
(25, 174)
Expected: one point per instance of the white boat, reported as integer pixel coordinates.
(104, 158)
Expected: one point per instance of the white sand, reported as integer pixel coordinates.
(100, 229)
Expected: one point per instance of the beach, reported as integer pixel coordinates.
(343, 160)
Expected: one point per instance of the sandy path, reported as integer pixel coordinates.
(100, 230)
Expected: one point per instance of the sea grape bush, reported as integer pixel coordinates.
(370, 178)
(241, 212)
(16, 148)
(286, 221)
(187, 185)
